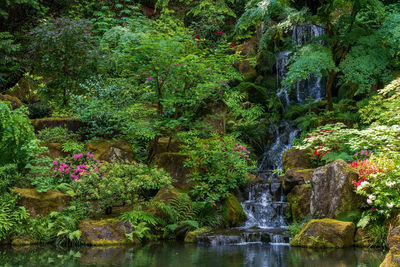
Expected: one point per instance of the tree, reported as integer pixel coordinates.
(63, 51)
(353, 51)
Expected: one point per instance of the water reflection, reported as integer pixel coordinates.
(184, 255)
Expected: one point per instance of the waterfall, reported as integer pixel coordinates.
(266, 203)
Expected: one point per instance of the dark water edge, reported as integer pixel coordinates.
(185, 255)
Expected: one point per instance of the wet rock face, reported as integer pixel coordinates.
(105, 232)
(393, 257)
(42, 203)
(296, 158)
(111, 151)
(173, 163)
(296, 176)
(325, 233)
(332, 189)
(299, 202)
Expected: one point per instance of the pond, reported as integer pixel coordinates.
(185, 255)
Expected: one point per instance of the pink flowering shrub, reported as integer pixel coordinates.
(75, 167)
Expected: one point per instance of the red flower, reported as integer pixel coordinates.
(197, 36)
(198, 42)
(214, 204)
(372, 209)
(232, 45)
(198, 27)
(213, 47)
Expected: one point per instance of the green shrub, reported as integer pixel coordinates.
(219, 166)
(56, 135)
(18, 143)
(11, 216)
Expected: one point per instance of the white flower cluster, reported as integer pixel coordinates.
(371, 199)
(390, 183)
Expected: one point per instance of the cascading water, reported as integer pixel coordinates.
(266, 203)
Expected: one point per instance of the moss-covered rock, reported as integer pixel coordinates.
(362, 239)
(173, 163)
(66, 122)
(111, 150)
(41, 203)
(164, 144)
(232, 212)
(166, 194)
(325, 233)
(214, 117)
(247, 49)
(393, 257)
(332, 189)
(55, 150)
(296, 158)
(255, 93)
(23, 241)
(14, 101)
(106, 232)
(299, 202)
(296, 176)
(253, 179)
(191, 237)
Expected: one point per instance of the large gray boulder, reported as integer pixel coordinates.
(332, 189)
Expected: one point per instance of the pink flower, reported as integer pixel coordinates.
(55, 162)
(149, 79)
(198, 27)
(214, 23)
(232, 45)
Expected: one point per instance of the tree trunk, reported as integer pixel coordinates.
(329, 86)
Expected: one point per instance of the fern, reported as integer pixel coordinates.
(137, 217)
(206, 214)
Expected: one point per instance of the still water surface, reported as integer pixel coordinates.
(186, 255)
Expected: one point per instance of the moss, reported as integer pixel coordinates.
(299, 202)
(191, 237)
(232, 212)
(54, 150)
(41, 203)
(361, 239)
(14, 101)
(106, 232)
(173, 163)
(256, 94)
(23, 241)
(111, 150)
(325, 233)
(296, 158)
(66, 122)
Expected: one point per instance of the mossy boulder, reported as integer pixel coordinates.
(213, 117)
(296, 158)
(298, 201)
(232, 212)
(55, 150)
(247, 49)
(253, 179)
(42, 203)
(164, 144)
(166, 194)
(14, 101)
(173, 163)
(333, 190)
(23, 241)
(255, 93)
(106, 232)
(393, 257)
(296, 176)
(362, 239)
(325, 233)
(191, 237)
(111, 150)
(66, 122)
